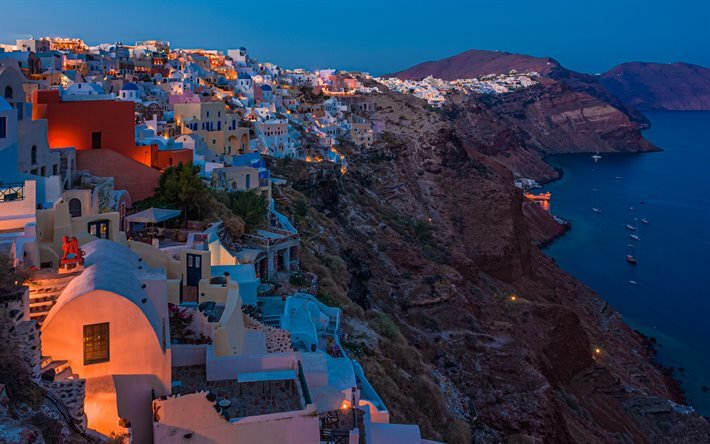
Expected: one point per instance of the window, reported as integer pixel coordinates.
(3, 127)
(96, 140)
(248, 181)
(99, 228)
(33, 155)
(8, 93)
(96, 343)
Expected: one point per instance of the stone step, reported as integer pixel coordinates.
(45, 295)
(64, 375)
(57, 366)
(44, 298)
(44, 361)
(43, 306)
(39, 316)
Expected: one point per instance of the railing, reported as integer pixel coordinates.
(12, 192)
(304, 385)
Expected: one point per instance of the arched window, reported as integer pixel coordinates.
(33, 155)
(8, 93)
(75, 207)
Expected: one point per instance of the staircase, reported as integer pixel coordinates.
(60, 368)
(272, 320)
(44, 294)
(65, 386)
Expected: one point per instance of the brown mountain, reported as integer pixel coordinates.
(656, 86)
(567, 112)
(477, 63)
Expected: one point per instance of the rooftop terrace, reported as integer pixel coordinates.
(245, 398)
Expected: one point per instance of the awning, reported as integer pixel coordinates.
(153, 215)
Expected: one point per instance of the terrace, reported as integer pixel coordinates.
(260, 393)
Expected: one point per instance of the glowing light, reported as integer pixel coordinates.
(513, 298)
(345, 405)
(597, 351)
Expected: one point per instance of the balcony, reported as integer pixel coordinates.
(12, 192)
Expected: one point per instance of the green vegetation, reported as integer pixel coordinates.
(298, 278)
(249, 205)
(301, 208)
(180, 187)
(383, 325)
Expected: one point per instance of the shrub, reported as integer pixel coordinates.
(298, 278)
(383, 325)
(249, 205)
(50, 428)
(301, 208)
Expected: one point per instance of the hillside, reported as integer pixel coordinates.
(476, 63)
(458, 318)
(656, 86)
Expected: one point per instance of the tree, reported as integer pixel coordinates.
(182, 187)
(249, 205)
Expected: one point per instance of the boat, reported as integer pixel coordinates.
(618, 178)
(631, 208)
(630, 259)
(634, 237)
(596, 194)
(596, 158)
(633, 282)
(630, 227)
(644, 221)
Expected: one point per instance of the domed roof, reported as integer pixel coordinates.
(130, 86)
(244, 76)
(266, 88)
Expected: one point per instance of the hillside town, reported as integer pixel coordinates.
(138, 320)
(435, 91)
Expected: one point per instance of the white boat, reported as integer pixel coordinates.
(634, 237)
(632, 260)
(596, 158)
(645, 221)
(618, 178)
(630, 227)
(633, 282)
(596, 210)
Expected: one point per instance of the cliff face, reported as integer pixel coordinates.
(428, 228)
(656, 86)
(566, 112)
(519, 128)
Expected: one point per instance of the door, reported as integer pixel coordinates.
(194, 269)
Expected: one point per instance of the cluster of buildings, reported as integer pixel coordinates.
(434, 90)
(174, 338)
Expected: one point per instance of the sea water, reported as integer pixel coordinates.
(671, 189)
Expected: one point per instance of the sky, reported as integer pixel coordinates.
(384, 36)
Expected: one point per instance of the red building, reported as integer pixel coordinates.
(90, 125)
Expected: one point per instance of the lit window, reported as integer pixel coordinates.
(96, 343)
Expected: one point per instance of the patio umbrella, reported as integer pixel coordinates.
(153, 215)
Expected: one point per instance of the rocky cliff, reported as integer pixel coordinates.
(566, 112)
(656, 86)
(462, 324)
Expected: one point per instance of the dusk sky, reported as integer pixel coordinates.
(380, 36)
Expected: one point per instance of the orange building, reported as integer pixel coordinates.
(90, 125)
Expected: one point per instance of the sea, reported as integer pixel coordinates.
(669, 298)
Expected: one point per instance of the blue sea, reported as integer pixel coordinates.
(671, 189)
